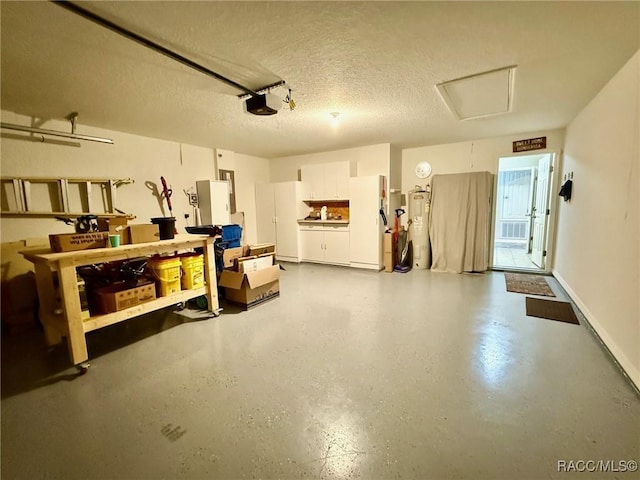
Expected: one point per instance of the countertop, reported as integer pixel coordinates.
(332, 222)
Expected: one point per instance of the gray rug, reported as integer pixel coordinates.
(531, 284)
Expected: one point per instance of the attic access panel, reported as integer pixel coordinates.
(479, 95)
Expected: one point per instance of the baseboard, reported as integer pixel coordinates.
(282, 258)
(367, 266)
(623, 361)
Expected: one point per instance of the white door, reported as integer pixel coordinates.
(287, 214)
(336, 245)
(312, 244)
(265, 213)
(313, 181)
(540, 215)
(343, 176)
(364, 221)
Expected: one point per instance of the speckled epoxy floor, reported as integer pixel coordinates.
(349, 374)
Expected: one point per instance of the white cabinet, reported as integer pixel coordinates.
(366, 226)
(313, 181)
(214, 202)
(312, 244)
(342, 171)
(278, 208)
(327, 181)
(325, 243)
(336, 245)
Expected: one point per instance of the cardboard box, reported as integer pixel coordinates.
(254, 264)
(251, 288)
(69, 242)
(117, 297)
(261, 248)
(112, 225)
(19, 298)
(142, 233)
(230, 254)
(389, 252)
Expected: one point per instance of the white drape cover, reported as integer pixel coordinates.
(460, 222)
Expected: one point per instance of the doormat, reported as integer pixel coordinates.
(531, 284)
(551, 310)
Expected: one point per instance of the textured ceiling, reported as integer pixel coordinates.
(375, 62)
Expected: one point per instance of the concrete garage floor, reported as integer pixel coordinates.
(349, 374)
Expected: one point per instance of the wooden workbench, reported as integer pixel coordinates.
(69, 322)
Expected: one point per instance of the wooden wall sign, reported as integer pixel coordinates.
(530, 144)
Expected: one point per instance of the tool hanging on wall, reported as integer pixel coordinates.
(166, 193)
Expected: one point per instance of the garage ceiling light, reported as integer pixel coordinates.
(479, 95)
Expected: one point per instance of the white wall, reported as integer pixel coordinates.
(140, 158)
(395, 175)
(473, 156)
(598, 243)
(248, 171)
(370, 160)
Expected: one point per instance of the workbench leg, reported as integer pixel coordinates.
(210, 277)
(47, 300)
(71, 303)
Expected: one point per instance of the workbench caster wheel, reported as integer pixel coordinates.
(83, 368)
(181, 306)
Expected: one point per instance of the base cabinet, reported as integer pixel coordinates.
(325, 244)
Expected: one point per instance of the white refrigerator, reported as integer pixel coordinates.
(366, 227)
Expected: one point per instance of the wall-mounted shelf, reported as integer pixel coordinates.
(18, 197)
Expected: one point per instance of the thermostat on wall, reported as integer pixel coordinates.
(423, 170)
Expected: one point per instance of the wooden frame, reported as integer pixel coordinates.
(69, 323)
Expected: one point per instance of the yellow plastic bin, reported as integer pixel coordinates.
(166, 272)
(192, 271)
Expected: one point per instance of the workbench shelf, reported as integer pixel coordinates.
(70, 323)
(99, 321)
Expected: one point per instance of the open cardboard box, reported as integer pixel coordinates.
(230, 255)
(251, 288)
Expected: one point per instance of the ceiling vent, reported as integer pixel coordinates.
(479, 95)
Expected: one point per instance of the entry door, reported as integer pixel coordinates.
(540, 212)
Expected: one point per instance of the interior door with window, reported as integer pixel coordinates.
(540, 212)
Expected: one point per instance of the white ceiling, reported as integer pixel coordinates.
(375, 62)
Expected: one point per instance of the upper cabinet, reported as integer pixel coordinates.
(327, 181)
(313, 181)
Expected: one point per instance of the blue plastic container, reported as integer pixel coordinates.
(232, 234)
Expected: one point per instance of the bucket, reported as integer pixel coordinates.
(192, 271)
(166, 272)
(166, 225)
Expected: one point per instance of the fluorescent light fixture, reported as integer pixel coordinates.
(480, 95)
